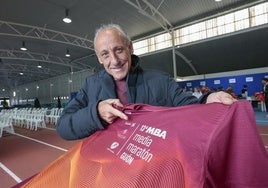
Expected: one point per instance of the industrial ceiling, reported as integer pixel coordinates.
(38, 23)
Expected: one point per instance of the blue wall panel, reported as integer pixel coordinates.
(253, 81)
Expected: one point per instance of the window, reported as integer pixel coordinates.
(228, 23)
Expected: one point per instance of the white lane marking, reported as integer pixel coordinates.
(41, 142)
(16, 178)
(52, 129)
(264, 134)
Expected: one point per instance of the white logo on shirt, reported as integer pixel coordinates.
(114, 145)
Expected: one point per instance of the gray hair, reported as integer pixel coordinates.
(108, 27)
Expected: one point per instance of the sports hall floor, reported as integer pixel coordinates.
(26, 152)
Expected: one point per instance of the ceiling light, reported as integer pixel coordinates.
(67, 19)
(23, 48)
(217, 0)
(39, 66)
(67, 53)
(21, 73)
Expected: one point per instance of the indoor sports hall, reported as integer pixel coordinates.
(49, 48)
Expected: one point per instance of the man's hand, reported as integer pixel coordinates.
(220, 97)
(107, 111)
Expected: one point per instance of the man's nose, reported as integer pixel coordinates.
(114, 59)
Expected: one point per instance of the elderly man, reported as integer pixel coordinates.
(123, 81)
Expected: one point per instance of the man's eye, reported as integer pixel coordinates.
(119, 50)
(104, 55)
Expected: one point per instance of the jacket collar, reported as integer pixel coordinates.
(135, 64)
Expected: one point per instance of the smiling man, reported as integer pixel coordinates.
(123, 81)
(113, 51)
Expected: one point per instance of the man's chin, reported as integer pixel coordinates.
(119, 77)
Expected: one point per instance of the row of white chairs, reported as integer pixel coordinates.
(32, 118)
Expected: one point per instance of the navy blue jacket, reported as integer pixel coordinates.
(80, 118)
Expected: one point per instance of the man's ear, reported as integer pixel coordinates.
(130, 47)
(99, 59)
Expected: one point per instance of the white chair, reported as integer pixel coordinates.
(56, 116)
(50, 118)
(37, 119)
(6, 124)
(21, 117)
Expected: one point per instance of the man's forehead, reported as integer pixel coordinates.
(110, 43)
(110, 47)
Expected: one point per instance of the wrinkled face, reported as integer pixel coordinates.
(113, 52)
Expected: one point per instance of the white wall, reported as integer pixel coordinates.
(48, 90)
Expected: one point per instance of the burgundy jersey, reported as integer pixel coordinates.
(193, 146)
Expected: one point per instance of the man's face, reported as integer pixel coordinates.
(113, 53)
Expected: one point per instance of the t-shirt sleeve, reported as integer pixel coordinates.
(237, 157)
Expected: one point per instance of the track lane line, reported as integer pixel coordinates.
(41, 142)
(10, 173)
(52, 129)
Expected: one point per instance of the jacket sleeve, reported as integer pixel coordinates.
(178, 97)
(80, 118)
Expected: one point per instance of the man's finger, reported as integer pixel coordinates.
(114, 102)
(119, 114)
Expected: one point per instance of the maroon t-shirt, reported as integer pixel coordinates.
(121, 89)
(194, 146)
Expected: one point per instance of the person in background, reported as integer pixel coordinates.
(37, 103)
(204, 89)
(231, 91)
(59, 103)
(220, 88)
(265, 93)
(244, 91)
(184, 89)
(190, 91)
(121, 82)
(197, 93)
